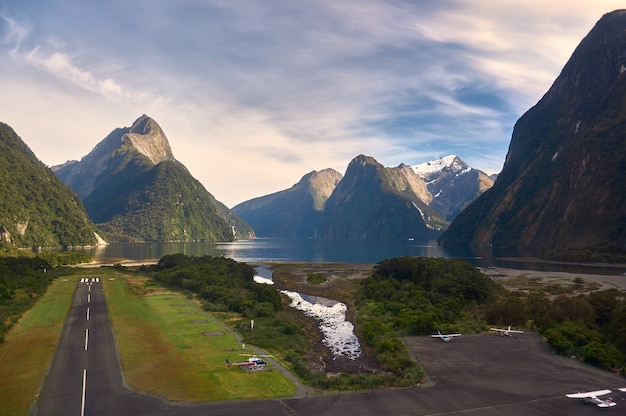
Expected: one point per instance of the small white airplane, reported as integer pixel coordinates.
(445, 337)
(507, 332)
(592, 397)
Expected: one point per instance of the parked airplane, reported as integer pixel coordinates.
(507, 332)
(592, 397)
(445, 337)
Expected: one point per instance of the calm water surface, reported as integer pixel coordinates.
(275, 250)
(295, 250)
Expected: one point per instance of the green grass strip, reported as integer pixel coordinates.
(172, 348)
(29, 347)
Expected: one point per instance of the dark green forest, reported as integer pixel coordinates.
(36, 208)
(144, 202)
(24, 278)
(589, 327)
(606, 253)
(222, 284)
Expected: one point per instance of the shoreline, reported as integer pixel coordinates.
(498, 273)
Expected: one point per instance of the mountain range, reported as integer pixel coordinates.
(562, 184)
(134, 189)
(131, 186)
(370, 202)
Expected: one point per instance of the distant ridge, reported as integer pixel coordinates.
(296, 212)
(366, 203)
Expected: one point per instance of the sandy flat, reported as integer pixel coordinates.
(510, 277)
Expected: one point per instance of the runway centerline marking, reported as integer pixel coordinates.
(82, 402)
(86, 337)
(89, 298)
(87, 313)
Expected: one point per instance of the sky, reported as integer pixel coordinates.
(254, 94)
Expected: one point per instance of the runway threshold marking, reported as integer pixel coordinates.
(82, 402)
(285, 405)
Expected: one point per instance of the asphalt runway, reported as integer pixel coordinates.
(481, 374)
(85, 377)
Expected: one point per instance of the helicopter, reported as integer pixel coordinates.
(252, 363)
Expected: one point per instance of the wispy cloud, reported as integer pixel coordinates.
(61, 66)
(269, 91)
(12, 32)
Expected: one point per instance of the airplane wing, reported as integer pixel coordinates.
(445, 335)
(588, 394)
(622, 389)
(514, 331)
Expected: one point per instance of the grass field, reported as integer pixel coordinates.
(170, 347)
(29, 348)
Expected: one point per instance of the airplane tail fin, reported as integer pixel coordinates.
(227, 363)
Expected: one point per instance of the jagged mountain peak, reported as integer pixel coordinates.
(132, 186)
(147, 137)
(362, 160)
(144, 137)
(376, 202)
(451, 162)
(320, 185)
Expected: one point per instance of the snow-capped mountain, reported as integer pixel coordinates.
(452, 183)
(451, 162)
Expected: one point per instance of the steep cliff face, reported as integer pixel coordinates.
(37, 209)
(295, 212)
(374, 202)
(134, 188)
(562, 184)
